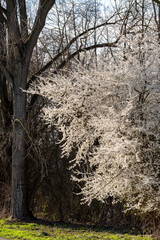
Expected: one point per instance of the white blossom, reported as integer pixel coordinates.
(110, 117)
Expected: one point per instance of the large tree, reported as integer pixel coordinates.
(14, 68)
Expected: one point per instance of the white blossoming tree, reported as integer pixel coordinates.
(110, 116)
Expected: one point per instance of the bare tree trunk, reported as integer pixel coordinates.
(19, 183)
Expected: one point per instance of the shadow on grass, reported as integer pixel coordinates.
(86, 227)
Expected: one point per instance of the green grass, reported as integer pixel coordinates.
(34, 231)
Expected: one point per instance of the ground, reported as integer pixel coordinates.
(47, 231)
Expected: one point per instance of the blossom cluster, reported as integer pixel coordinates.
(110, 117)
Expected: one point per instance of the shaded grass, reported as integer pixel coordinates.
(34, 231)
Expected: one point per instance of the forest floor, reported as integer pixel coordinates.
(40, 231)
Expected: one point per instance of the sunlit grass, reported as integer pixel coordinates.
(33, 231)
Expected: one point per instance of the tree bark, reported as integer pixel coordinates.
(19, 183)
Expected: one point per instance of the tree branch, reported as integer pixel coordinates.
(157, 1)
(62, 64)
(43, 69)
(43, 9)
(71, 56)
(6, 73)
(85, 33)
(23, 18)
(14, 32)
(2, 18)
(3, 10)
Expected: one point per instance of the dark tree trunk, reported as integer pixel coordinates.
(19, 185)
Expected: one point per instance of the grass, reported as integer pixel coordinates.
(34, 231)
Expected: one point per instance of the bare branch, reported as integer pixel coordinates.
(2, 17)
(71, 56)
(95, 46)
(157, 1)
(23, 18)
(43, 9)
(12, 20)
(54, 59)
(3, 10)
(68, 46)
(84, 33)
(63, 63)
(6, 73)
